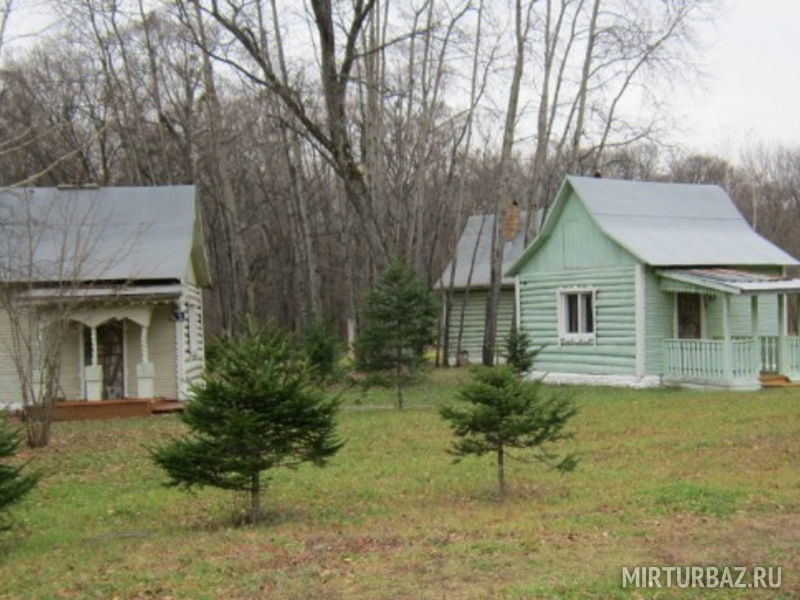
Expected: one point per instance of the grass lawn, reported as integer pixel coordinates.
(666, 478)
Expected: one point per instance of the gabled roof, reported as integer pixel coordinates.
(476, 242)
(666, 224)
(101, 234)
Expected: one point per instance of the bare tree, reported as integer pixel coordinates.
(504, 200)
(6, 7)
(50, 250)
(331, 134)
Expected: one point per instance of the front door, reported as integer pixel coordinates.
(110, 343)
(690, 316)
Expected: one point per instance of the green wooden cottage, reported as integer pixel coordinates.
(644, 284)
(469, 273)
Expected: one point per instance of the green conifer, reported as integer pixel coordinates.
(256, 410)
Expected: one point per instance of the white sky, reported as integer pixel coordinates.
(753, 92)
(752, 58)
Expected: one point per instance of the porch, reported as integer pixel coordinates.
(694, 358)
(733, 363)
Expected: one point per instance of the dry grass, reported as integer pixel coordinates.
(666, 478)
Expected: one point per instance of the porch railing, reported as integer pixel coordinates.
(710, 361)
(770, 356)
(768, 346)
(792, 360)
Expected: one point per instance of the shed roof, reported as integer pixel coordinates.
(475, 244)
(733, 281)
(100, 234)
(667, 224)
(126, 293)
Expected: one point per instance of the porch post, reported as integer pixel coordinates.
(797, 315)
(145, 371)
(781, 346)
(94, 372)
(754, 332)
(727, 355)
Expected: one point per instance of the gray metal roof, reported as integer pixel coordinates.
(100, 234)
(675, 223)
(475, 244)
(733, 281)
(126, 292)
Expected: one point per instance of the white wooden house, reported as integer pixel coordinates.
(131, 261)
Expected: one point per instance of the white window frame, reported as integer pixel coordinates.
(584, 337)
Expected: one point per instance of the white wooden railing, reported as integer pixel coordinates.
(792, 360)
(768, 347)
(770, 354)
(710, 361)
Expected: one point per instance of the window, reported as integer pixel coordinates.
(576, 315)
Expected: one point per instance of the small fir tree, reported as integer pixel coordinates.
(15, 482)
(323, 348)
(505, 412)
(398, 323)
(256, 410)
(519, 352)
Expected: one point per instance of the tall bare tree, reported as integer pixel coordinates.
(504, 201)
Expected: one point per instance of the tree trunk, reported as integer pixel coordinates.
(398, 383)
(237, 300)
(504, 197)
(501, 474)
(255, 498)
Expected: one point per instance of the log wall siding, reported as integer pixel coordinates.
(474, 319)
(578, 254)
(613, 352)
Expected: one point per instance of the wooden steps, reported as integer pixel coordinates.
(114, 409)
(777, 380)
(160, 407)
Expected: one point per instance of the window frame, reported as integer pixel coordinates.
(562, 299)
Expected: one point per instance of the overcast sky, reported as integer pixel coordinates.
(752, 93)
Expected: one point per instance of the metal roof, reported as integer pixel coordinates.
(131, 292)
(475, 244)
(100, 234)
(733, 281)
(667, 224)
(675, 223)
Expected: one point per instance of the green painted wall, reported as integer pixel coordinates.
(658, 322)
(576, 244)
(474, 318)
(577, 253)
(740, 316)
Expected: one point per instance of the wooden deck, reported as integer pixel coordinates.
(114, 409)
(769, 380)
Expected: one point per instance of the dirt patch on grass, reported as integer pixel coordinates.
(770, 539)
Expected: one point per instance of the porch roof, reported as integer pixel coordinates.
(102, 293)
(728, 281)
